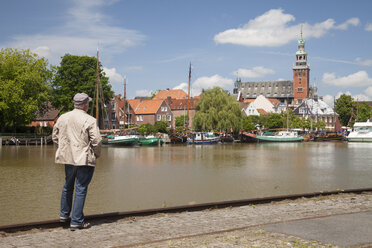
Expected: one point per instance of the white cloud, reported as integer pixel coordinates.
(206, 83)
(329, 100)
(143, 92)
(255, 72)
(367, 62)
(42, 51)
(273, 29)
(85, 28)
(358, 79)
(351, 22)
(368, 91)
(113, 76)
(368, 27)
(359, 97)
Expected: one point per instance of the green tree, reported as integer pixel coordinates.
(345, 108)
(161, 126)
(78, 74)
(24, 86)
(216, 110)
(364, 112)
(180, 121)
(250, 122)
(146, 129)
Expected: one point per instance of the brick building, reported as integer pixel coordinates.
(286, 91)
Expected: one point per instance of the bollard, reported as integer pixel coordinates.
(1, 141)
(41, 141)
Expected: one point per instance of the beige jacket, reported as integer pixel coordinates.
(77, 136)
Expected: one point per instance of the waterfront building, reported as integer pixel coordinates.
(151, 111)
(290, 92)
(317, 109)
(120, 113)
(46, 117)
(260, 105)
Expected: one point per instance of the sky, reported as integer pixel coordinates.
(152, 43)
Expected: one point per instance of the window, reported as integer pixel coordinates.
(139, 117)
(169, 117)
(299, 89)
(299, 101)
(301, 110)
(158, 117)
(113, 116)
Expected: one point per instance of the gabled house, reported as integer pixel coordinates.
(260, 105)
(151, 111)
(46, 118)
(179, 107)
(317, 109)
(119, 113)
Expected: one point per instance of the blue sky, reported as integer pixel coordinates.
(152, 43)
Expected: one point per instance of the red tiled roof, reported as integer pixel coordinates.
(273, 101)
(262, 111)
(175, 94)
(248, 100)
(180, 104)
(148, 107)
(134, 103)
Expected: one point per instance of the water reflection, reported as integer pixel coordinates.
(129, 178)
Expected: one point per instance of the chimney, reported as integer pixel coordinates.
(169, 100)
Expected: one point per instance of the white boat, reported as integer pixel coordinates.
(203, 138)
(121, 140)
(362, 132)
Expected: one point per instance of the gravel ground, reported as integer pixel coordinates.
(228, 227)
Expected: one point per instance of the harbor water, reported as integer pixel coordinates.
(136, 178)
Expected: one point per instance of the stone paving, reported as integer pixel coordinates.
(228, 227)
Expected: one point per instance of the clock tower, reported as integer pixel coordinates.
(301, 73)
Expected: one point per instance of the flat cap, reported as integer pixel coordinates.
(81, 98)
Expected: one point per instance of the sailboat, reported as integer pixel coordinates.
(281, 136)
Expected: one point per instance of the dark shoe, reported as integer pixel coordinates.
(78, 227)
(63, 219)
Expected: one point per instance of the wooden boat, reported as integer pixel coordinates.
(178, 138)
(124, 140)
(332, 136)
(150, 141)
(203, 138)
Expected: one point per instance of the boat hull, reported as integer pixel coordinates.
(279, 139)
(121, 141)
(359, 139)
(150, 141)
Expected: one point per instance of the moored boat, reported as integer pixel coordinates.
(124, 140)
(282, 136)
(362, 132)
(150, 141)
(203, 138)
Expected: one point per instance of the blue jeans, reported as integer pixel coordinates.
(80, 177)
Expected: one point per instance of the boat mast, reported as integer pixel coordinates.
(334, 113)
(125, 98)
(97, 88)
(188, 101)
(357, 117)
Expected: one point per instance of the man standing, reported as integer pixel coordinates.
(79, 144)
